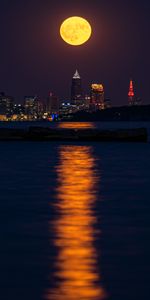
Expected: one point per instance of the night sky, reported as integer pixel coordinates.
(35, 60)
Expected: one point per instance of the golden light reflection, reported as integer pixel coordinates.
(77, 125)
(77, 275)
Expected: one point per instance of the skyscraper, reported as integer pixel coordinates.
(131, 98)
(76, 89)
(97, 96)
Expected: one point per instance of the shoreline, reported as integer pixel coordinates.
(57, 134)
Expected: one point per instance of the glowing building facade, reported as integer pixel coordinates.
(97, 96)
(76, 89)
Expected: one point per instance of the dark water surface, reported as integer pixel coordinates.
(75, 221)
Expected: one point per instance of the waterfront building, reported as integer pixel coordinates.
(30, 105)
(18, 113)
(66, 110)
(39, 107)
(97, 97)
(6, 104)
(76, 90)
(33, 107)
(3, 117)
(18, 109)
(87, 100)
(52, 105)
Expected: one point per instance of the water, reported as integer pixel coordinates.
(74, 221)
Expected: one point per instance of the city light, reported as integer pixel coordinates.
(52, 108)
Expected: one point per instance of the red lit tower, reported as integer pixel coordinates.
(131, 98)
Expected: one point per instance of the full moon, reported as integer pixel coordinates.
(75, 31)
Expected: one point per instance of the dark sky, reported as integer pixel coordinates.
(35, 60)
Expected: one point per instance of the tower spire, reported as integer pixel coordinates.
(131, 93)
(76, 75)
(76, 89)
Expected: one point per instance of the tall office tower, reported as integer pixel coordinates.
(131, 98)
(52, 105)
(97, 96)
(76, 89)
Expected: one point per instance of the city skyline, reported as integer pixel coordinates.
(52, 108)
(35, 60)
(83, 93)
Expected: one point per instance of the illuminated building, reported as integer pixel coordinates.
(18, 112)
(131, 98)
(18, 109)
(87, 100)
(76, 89)
(39, 107)
(32, 106)
(66, 109)
(6, 104)
(3, 117)
(52, 105)
(97, 96)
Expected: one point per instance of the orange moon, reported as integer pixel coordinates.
(75, 31)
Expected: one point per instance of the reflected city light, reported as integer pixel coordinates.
(76, 125)
(77, 276)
